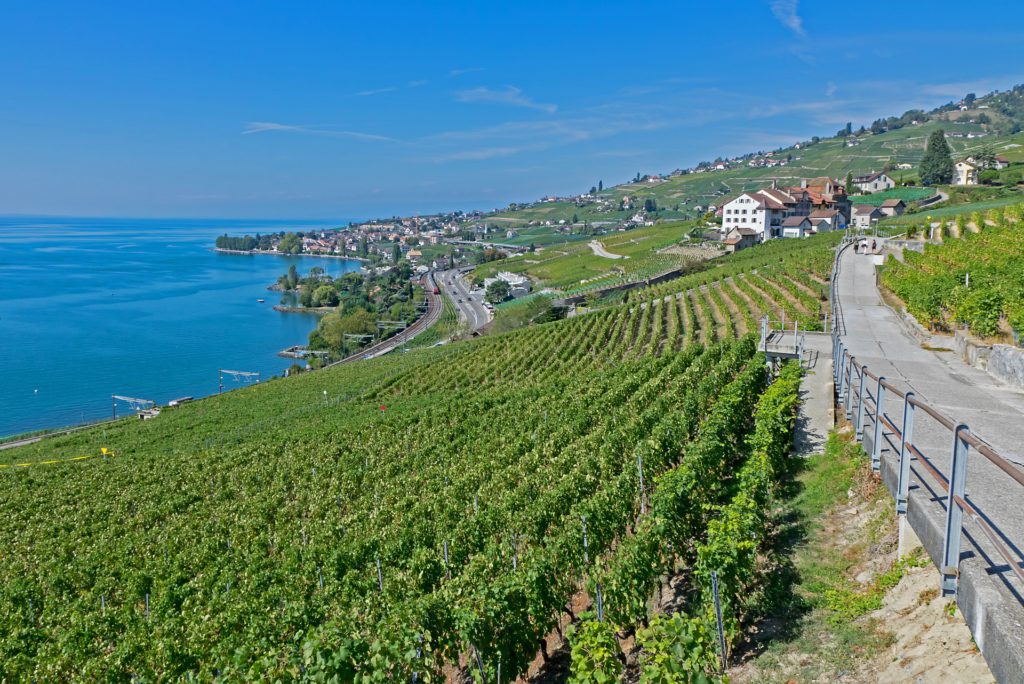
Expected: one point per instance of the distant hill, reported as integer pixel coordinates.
(994, 120)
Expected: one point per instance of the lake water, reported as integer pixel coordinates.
(143, 308)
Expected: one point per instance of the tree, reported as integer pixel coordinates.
(533, 247)
(988, 177)
(650, 205)
(396, 253)
(575, 219)
(969, 99)
(293, 277)
(849, 182)
(937, 162)
(600, 185)
(849, 128)
(325, 295)
(290, 244)
(498, 291)
(363, 249)
(985, 158)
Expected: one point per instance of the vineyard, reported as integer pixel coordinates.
(423, 511)
(976, 281)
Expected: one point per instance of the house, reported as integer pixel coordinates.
(519, 285)
(998, 162)
(414, 254)
(739, 238)
(904, 166)
(866, 215)
(893, 207)
(965, 173)
(874, 182)
(796, 227)
(824, 220)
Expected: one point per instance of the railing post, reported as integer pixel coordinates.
(860, 405)
(876, 445)
(906, 438)
(849, 382)
(954, 514)
(837, 347)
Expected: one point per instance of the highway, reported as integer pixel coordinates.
(470, 304)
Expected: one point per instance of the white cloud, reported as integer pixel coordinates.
(510, 96)
(323, 131)
(830, 89)
(786, 12)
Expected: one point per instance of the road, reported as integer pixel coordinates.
(470, 304)
(991, 596)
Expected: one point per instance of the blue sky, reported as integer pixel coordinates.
(341, 110)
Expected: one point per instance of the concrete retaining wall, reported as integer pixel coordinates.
(1006, 363)
(971, 351)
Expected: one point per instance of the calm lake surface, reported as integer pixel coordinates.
(143, 308)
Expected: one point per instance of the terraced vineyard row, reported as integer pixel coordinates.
(976, 280)
(384, 518)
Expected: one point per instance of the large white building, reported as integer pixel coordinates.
(765, 211)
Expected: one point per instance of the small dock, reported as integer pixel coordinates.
(299, 351)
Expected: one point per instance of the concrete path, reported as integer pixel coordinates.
(600, 251)
(991, 597)
(815, 417)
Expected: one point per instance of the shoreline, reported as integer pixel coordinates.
(276, 253)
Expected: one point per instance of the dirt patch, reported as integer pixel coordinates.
(694, 252)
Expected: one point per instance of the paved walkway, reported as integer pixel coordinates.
(600, 251)
(816, 417)
(991, 597)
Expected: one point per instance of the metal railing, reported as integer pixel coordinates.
(798, 345)
(854, 398)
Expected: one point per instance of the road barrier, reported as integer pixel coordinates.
(854, 397)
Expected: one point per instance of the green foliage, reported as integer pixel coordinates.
(595, 652)
(243, 244)
(976, 281)
(498, 291)
(290, 244)
(936, 166)
(677, 650)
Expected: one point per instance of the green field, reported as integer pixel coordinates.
(987, 198)
(908, 195)
(575, 266)
(240, 536)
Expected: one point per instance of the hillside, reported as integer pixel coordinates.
(678, 195)
(304, 524)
